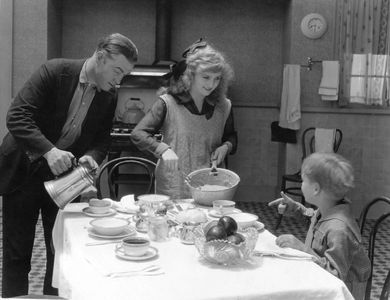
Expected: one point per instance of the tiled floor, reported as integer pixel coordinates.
(266, 215)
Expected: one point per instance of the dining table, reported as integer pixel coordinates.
(87, 267)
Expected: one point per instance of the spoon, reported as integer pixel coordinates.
(214, 170)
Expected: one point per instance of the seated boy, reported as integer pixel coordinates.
(333, 238)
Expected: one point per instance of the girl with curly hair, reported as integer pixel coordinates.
(194, 117)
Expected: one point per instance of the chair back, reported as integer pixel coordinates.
(372, 238)
(386, 288)
(114, 178)
(309, 143)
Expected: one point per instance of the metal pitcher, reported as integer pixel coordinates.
(66, 188)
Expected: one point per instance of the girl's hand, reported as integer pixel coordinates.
(170, 159)
(288, 240)
(220, 153)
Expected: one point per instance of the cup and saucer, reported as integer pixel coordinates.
(222, 208)
(135, 248)
(99, 208)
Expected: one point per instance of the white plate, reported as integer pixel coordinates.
(88, 212)
(126, 210)
(125, 233)
(215, 214)
(152, 252)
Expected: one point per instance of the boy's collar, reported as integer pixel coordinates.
(342, 212)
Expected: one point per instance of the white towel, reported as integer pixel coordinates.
(290, 107)
(375, 87)
(324, 139)
(358, 86)
(329, 86)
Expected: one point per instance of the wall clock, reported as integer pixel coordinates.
(313, 26)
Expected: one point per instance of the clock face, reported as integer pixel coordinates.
(313, 26)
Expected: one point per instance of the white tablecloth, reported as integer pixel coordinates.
(79, 271)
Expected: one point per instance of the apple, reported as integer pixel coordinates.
(216, 232)
(236, 238)
(229, 224)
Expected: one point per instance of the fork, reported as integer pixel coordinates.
(281, 255)
(102, 242)
(148, 270)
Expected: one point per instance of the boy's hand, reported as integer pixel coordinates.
(288, 240)
(283, 203)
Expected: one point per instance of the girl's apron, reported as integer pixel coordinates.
(193, 138)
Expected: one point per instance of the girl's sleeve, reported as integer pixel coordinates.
(230, 134)
(143, 135)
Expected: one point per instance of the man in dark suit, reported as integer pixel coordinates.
(63, 112)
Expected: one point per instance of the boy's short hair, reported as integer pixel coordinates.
(331, 171)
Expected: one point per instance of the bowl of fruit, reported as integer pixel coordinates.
(222, 242)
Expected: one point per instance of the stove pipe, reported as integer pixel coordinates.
(163, 30)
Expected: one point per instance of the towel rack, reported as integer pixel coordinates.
(310, 63)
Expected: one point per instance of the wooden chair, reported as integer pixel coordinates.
(144, 175)
(371, 243)
(385, 294)
(308, 147)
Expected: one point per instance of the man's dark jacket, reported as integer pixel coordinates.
(37, 115)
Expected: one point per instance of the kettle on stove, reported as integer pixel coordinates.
(133, 111)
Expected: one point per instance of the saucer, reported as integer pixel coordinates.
(88, 212)
(126, 210)
(257, 225)
(216, 214)
(125, 233)
(150, 253)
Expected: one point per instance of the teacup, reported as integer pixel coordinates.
(97, 206)
(135, 246)
(223, 207)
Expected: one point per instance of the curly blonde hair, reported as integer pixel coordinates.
(206, 59)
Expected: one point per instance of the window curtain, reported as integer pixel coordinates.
(363, 39)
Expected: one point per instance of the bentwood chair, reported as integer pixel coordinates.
(385, 294)
(291, 183)
(308, 147)
(126, 170)
(372, 240)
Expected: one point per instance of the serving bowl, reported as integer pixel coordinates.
(205, 187)
(109, 226)
(225, 252)
(97, 206)
(153, 203)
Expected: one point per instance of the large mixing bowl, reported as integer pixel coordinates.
(202, 182)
